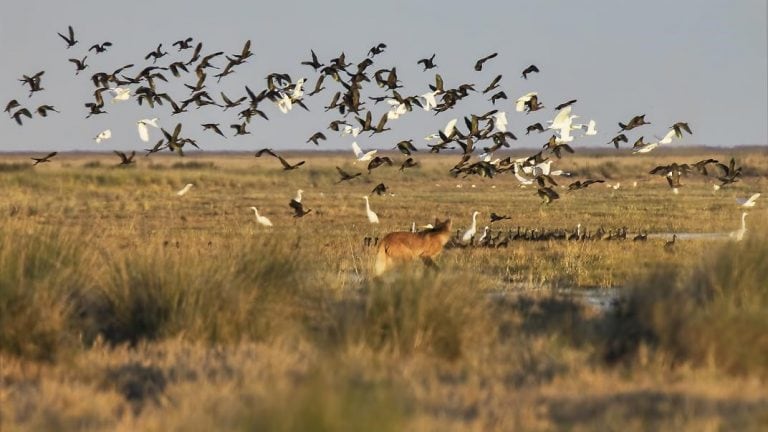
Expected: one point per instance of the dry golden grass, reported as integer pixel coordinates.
(125, 307)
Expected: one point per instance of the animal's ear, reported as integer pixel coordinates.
(447, 222)
(437, 222)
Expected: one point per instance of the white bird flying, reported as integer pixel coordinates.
(261, 219)
(748, 202)
(447, 130)
(185, 189)
(349, 130)
(429, 100)
(120, 94)
(372, 217)
(668, 137)
(284, 104)
(500, 121)
(362, 157)
(141, 126)
(103, 135)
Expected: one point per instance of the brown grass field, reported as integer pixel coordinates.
(124, 307)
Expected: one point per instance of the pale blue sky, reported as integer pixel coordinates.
(704, 62)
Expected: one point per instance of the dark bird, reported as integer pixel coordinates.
(287, 166)
(496, 218)
(377, 162)
(124, 159)
(408, 163)
(731, 173)
(43, 110)
(497, 96)
(406, 147)
(33, 82)
(22, 112)
(617, 139)
(480, 62)
(636, 121)
(345, 176)
(240, 129)
(565, 104)
(679, 127)
(46, 158)
(13, 103)
(670, 245)
(268, 151)
(376, 50)
(317, 136)
(547, 194)
(183, 44)
(534, 127)
(100, 48)
(70, 38)
(529, 69)
(314, 63)
(380, 189)
(214, 127)
(156, 54)
(79, 64)
(701, 165)
(643, 236)
(230, 103)
(493, 85)
(582, 185)
(428, 63)
(298, 209)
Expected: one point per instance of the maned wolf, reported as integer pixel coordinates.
(400, 247)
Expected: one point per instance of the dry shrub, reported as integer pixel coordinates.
(435, 314)
(716, 314)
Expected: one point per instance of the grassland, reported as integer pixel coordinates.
(125, 307)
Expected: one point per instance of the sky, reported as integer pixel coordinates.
(700, 61)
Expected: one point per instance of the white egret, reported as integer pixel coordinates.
(372, 217)
(591, 128)
(141, 126)
(362, 157)
(103, 135)
(185, 189)
(500, 121)
(261, 219)
(429, 100)
(120, 94)
(284, 104)
(349, 130)
(668, 137)
(738, 235)
(486, 231)
(748, 202)
(468, 234)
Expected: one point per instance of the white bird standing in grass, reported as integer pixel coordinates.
(748, 202)
(103, 135)
(185, 189)
(372, 217)
(468, 234)
(261, 219)
(362, 157)
(738, 235)
(142, 124)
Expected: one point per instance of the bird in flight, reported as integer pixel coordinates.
(528, 70)
(70, 38)
(479, 64)
(46, 158)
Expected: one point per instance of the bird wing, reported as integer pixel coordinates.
(143, 131)
(357, 150)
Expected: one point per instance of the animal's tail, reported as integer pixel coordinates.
(382, 261)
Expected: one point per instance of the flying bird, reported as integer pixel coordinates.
(480, 62)
(70, 38)
(22, 112)
(345, 176)
(428, 63)
(213, 127)
(43, 110)
(79, 64)
(141, 127)
(317, 136)
(528, 70)
(380, 189)
(46, 158)
(100, 48)
(362, 157)
(748, 202)
(103, 135)
(125, 159)
(634, 122)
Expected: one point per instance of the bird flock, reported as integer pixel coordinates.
(355, 91)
